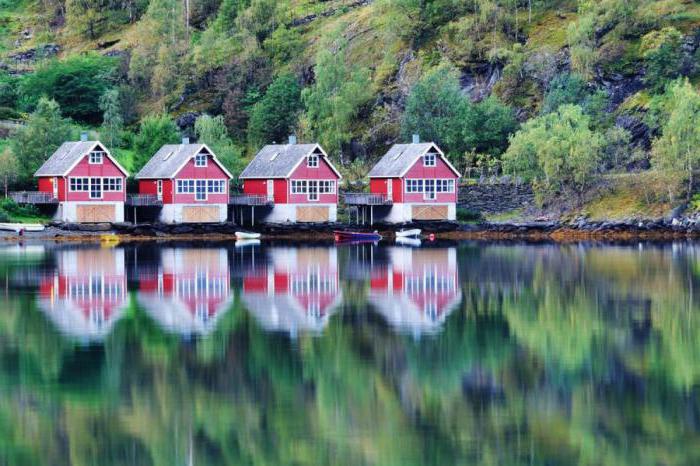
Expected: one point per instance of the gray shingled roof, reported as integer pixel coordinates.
(400, 158)
(65, 158)
(170, 158)
(276, 160)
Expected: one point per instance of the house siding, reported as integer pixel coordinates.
(85, 169)
(440, 171)
(189, 172)
(322, 172)
(379, 186)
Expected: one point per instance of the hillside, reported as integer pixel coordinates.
(359, 75)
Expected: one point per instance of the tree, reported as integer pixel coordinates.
(565, 88)
(32, 144)
(112, 121)
(663, 57)
(76, 84)
(154, 132)
(336, 97)
(85, 17)
(8, 167)
(677, 151)
(434, 109)
(487, 125)
(212, 132)
(273, 117)
(556, 152)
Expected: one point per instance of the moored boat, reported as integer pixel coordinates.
(408, 233)
(247, 235)
(17, 227)
(344, 236)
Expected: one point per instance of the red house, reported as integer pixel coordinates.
(190, 290)
(85, 180)
(413, 182)
(87, 293)
(189, 181)
(297, 180)
(296, 291)
(417, 289)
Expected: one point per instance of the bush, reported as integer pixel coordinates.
(10, 210)
(467, 215)
(7, 113)
(663, 57)
(155, 131)
(274, 116)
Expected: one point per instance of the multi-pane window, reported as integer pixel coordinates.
(429, 189)
(216, 186)
(200, 193)
(312, 161)
(326, 186)
(79, 184)
(185, 186)
(299, 187)
(445, 186)
(315, 186)
(96, 157)
(200, 160)
(429, 160)
(414, 186)
(112, 184)
(430, 186)
(95, 188)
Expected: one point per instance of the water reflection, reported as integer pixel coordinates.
(86, 293)
(528, 354)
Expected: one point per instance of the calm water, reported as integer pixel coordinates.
(362, 355)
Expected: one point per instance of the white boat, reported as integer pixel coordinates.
(415, 242)
(242, 243)
(17, 227)
(246, 235)
(408, 233)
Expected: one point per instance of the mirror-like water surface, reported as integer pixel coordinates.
(469, 353)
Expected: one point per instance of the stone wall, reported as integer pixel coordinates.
(494, 198)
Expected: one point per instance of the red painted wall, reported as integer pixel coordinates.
(84, 169)
(379, 186)
(189, 172)
(322, 172)
(440, 171)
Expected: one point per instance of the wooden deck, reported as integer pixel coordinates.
(143, 200)
(250, 200)
(33, 197)
(366, 199)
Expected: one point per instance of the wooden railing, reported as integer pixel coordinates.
(143, 200)
(366, 199)
(33, 197)
(250, 199)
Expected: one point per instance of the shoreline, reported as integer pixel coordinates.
(554, 231)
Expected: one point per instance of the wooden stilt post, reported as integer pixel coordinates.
(252, 215)
(371, 215)
(135, 220)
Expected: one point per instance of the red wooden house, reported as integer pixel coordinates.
(190, 290)
(417, 289)
(85, 180)
(411, 182)
(296, 180)
(189, 181)
(296, 291)
(87, 293)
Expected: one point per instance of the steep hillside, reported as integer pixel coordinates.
(349, 72)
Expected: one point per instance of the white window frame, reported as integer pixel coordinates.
(200, 160)
(430, 157)
(112, 184)
(96, 157)
(159, 189)
(429, 195)
(98, 183)
(312, 194)
(203, 184)
(312, 161)
(76, 181)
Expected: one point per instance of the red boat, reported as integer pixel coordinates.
(346, 236)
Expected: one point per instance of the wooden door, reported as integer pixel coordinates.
(429, 212)
(313, 214)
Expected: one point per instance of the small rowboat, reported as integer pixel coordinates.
(408, 233)
(242, 243)
(344, 236)
(17, 227)
(246, 235)
(413, 242)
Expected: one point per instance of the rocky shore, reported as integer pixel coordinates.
(579, 229)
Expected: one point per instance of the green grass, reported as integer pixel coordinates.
(633, 195)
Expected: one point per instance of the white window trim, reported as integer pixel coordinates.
(309, 193)
(101, 185)
(206, 194)
(433, 157)
(100, 153)
(200, 157)
(313, 157)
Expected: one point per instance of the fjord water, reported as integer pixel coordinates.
(464, 353)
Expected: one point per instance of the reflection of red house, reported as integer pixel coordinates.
(417, 289)
(190, 290)
(87, 292)
(297, 291)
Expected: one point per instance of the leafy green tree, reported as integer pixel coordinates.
(272, 118)
(86, 17)
(32, 144)
(487, 125)
(434, 109)
(8, 90)
(284, 45)
(556, 152)
(335, 98)
(154, 132)
(663, 56)
(76, 84)
(112, 121)
(8, 168)
(677, 151)
(212, 132)
(565, 88)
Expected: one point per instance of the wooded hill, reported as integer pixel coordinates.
(556, 92)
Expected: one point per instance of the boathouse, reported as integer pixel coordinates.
(85, 182)
(411, 182)
(187, 182)
(293, 182)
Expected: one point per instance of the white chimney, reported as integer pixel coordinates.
(292, 139)
(84, 136)
(416, 139)
(185, 140)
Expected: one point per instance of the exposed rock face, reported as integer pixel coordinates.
(494, 198)
(641, 135)
(31, 55)
(186, 121)
(478, 84)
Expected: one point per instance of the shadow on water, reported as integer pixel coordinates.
(451, 353)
